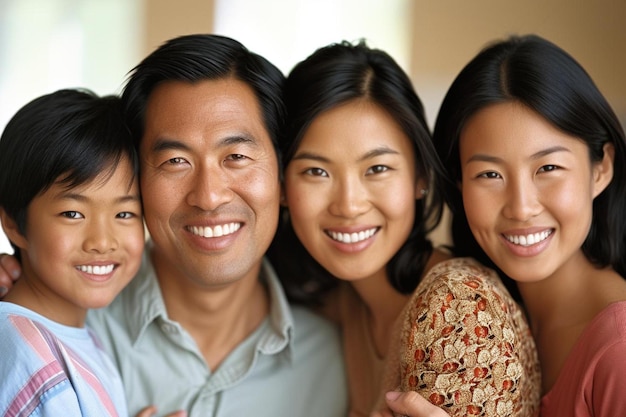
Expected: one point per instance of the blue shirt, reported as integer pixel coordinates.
(49, 369)
(291, 365)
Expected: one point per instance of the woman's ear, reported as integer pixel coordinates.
(603, 170)
(12, 230)
(421, 188)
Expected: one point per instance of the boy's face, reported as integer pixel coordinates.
(82, 245)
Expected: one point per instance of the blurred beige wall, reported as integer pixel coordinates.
(165, 19)
(448, 33)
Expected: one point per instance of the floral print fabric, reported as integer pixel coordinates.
(466, 346)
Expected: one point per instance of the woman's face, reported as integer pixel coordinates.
(528, 190)
(351, 189)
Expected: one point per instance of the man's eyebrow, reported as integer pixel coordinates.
(164, 144)
(238, 139)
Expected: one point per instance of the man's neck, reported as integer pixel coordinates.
(218, 318)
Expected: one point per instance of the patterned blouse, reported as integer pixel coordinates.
(466, 346)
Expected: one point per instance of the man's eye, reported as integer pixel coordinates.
(175, 161)
(237, 157)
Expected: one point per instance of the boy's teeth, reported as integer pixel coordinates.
(215, 231)
(352, 237)
(528, 240)
(96, 270)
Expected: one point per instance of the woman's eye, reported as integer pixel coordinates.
(489, 174)
(377, 169)
(316, 172)
(72, 214)
(547, 168)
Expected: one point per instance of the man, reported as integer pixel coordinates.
(205, 326)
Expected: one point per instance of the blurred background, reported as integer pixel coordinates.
(50, 44)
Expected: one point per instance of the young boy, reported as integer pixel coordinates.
(70, 206)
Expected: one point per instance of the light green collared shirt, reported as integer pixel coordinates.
(291, 365)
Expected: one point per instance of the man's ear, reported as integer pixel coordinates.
(12, 231)
(283, 197)
(603, 170)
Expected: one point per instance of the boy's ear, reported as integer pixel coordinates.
(603, 170)
(11, 230)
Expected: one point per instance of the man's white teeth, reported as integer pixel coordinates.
(352, 237)
(97, 269)
(215, 231)
(528, 240)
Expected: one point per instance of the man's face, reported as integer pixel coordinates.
(209, 181)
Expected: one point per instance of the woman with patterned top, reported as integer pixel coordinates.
(361, 192)
(540, 157)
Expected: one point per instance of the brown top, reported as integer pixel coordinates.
(363, 365)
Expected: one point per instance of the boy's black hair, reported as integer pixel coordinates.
(70, 136)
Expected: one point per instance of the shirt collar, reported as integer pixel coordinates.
(280, 316)
(143, 303)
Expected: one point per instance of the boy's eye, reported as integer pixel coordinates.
(125, 215)
(72, 214)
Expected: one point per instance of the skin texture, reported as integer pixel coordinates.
(81, 247)
(353, 173)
